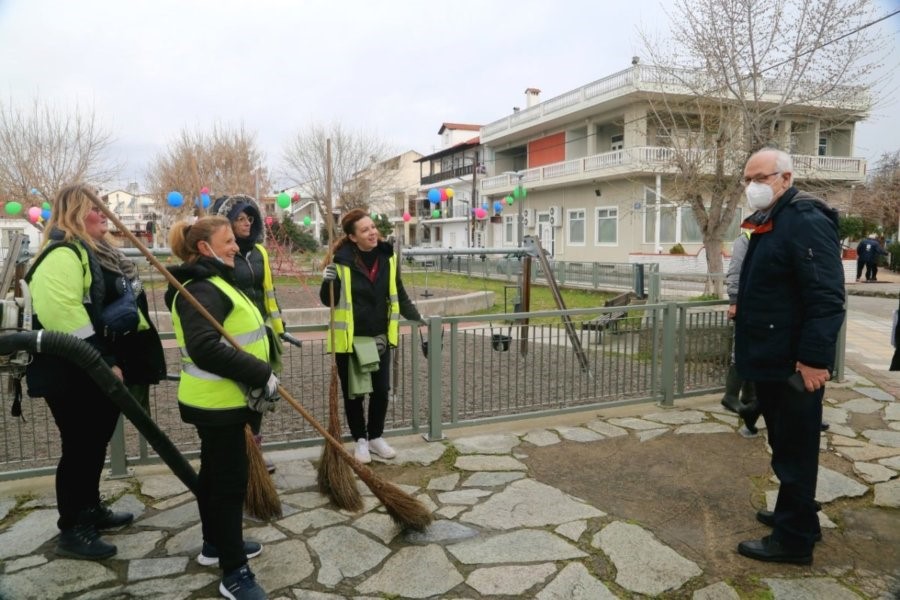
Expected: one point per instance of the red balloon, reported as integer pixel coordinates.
(444, 194)
(406, 217)
(295, 197)
(269, 220)
(204, 190)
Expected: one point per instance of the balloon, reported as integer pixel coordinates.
(175, 199)
(34, 212)
(484, 205)
(34, 191)
(283, 199)
(436, 213)
(13, 208)
(45, 214)
(443, 192)
(498, 206)
(523, 192)
(434, 195)
(269, 221)
(516, 191)
(295, 197)
(307, 221)
(204, 190)
(480, 213)
(406, 217)
(46, 206)
(204, 197)
(450, 192)
(509, 200)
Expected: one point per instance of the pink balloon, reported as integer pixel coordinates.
(204, 190)
(34, 213)
(406, 217)
(444, 194)
(480, 213)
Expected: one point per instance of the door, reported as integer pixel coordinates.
(546, 233)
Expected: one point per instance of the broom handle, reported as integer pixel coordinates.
(218, 327)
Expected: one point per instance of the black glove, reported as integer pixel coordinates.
(263, 399)
(381, 343)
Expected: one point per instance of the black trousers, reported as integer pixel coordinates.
(86, 419)
(378, 399)
(872, 270)
(222, 487)
(794, 422)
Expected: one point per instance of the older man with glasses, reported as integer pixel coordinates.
(790, 307)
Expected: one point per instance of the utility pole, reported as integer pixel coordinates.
(329, 213)
(473, 203)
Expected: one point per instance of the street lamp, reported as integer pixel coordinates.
(521, 221)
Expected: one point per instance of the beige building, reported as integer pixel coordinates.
(386, 186)
(598, 163)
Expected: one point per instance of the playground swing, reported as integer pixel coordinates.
(423, 340)
(499, 341)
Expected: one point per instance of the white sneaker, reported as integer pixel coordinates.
(362, 452)
(381, 448)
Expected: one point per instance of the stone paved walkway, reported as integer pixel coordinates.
(498, 533)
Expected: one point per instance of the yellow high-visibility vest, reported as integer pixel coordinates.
(343, 310)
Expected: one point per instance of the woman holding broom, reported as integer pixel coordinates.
(220, 391)
(76, 275)
(369, 299)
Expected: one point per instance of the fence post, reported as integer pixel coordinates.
(118, 462)
(840, 351)
(639, 280)
(435, 348)
(595, 274)
(667, 376)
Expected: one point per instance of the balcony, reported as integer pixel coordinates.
(646, 79)
(657, 159)
(449, 174)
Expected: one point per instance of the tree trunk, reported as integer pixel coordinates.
(714, 266)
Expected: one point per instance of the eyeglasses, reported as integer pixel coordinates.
(244, 219)
(758, 179)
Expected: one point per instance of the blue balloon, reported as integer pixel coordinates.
(498, 206)
(204, 198)
(45, 214)
(434, 196)
(484, 205)
(34, 191)
(175, 199)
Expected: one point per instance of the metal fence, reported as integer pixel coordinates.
(478, 368)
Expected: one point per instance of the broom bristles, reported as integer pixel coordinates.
(262, 499)
(335, 477)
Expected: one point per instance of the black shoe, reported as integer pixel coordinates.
(84, 542)
(103, 518)
(241, 584)
(767, 518)
(824, 426)
(771, 550)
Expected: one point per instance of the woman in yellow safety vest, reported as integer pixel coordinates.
(78, 273)
(220, 390)
(369, 300)
(253, 275)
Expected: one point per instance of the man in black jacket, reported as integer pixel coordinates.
(790, 309)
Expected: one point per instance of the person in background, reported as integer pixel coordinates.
(790, 308)
(253, 276)
(870, 251)
(220, 391)
(740, 395)
(78, 273)
(369, 300)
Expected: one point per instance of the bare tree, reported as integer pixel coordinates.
(739, 75)
(879, 200)
(354, 154)
(43, 148)
(224, 159)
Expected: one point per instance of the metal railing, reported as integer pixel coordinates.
(479, 368)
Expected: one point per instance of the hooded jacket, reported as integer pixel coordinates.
(203, 342)
(790, 304)
(370, 300)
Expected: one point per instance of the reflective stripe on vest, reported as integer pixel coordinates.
(343, 310)
(273, 318)
(202, 389)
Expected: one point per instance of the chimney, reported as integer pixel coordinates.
(531, 97)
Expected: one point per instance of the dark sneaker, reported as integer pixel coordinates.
(84, 542)
(767, 518)
(241, 584)
(770, 550)
(209, 556)
(103, 518)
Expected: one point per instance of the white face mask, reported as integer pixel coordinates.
(759, 195)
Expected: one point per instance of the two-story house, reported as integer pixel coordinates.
(457, 166)
(138, 212)
(599, 164)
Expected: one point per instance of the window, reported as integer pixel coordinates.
(667, 218)
(509, 231)
(607, 226)
(576, 227)
(823, 146)
(690, 229)
(617, 142)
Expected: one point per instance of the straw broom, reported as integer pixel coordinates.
(405, 510)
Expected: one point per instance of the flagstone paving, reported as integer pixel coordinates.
(498, 531)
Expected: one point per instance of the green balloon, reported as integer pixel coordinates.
(436, 213)
(283, 199)
(510, 200)
(307, 221)
(516, 191)
(45, 206)
(13, 208)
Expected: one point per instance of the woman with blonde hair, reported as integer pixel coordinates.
(221, 390)
(369, 298)
(77, 274)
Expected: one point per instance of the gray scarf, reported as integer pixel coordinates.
(113, 259)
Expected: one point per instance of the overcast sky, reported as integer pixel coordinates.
(397, 68)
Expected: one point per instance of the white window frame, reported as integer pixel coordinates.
(617, 142)
(597, 210)
(509, 223)
(569, 220)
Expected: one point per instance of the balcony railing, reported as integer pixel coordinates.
(648, 78)
(655, 159)
(449, 174)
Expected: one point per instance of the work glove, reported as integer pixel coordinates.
(381, 343)
(330, 273)
(263, 399)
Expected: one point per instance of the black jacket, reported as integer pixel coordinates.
(370, 300)
(790, 303)
(204, 344)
